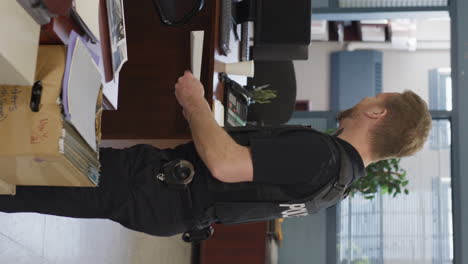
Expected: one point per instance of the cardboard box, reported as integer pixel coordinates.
(29, 142)
(18, 46)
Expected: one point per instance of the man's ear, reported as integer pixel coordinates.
(376, 112)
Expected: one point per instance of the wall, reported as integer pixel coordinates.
(313, 75)
(304, 240)
(410, 70)
(401, 70)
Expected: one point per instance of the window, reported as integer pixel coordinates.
(440, 89)
(414, 228)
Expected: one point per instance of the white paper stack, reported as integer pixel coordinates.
(373, 33)
(81, 89)
(319, 30)
(78, 152)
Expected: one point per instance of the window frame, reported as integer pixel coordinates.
(457, 10)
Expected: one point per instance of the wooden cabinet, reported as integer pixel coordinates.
(235, 244)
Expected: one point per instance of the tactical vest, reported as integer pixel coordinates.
(277, 203)
(280, 204)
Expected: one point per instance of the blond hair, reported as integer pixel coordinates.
(405, 128)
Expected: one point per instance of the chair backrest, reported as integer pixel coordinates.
(282, 78)
(177, 12)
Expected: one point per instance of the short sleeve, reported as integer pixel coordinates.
(293, 158)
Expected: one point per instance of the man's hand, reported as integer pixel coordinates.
(226, 160)
(189, 93)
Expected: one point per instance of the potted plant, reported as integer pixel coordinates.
(385, 176)
(262, 95)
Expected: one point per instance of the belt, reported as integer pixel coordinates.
(198, 226)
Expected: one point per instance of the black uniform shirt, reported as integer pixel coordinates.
(295, 159)
(292, 160)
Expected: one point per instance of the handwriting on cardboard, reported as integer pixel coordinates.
(40, 132)
(8, 101)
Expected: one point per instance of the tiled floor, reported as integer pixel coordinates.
(41, 239)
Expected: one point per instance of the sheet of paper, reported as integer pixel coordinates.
(89, 12)
(83, 88)
(70, 51)
(218, 112)
(196, 44)
(111, 91)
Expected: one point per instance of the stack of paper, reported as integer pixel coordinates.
(81, 88)
(373, 33)
(319, 30)
(79, 153)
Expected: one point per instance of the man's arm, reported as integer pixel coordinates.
(226, 160)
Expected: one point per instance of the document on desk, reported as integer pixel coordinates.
(82, 90)
(73, 39)
(118, 41)
(196, 44)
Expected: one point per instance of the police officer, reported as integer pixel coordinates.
(249, 174)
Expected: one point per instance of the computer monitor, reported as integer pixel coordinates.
(281, 29)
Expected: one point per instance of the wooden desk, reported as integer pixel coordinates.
(158, 55)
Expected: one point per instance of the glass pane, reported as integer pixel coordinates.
(413, 228)
(390, 3)
(440, 89)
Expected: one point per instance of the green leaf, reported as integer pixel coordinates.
(398, 189)
(384, 190)
(385, 177)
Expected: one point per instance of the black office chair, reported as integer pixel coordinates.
(282, 78)
(177, 12)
